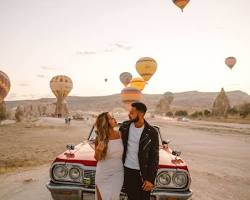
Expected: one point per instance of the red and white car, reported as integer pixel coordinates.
(72, 173)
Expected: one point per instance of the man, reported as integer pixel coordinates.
(141, 153)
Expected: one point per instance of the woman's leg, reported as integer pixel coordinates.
(98, 194)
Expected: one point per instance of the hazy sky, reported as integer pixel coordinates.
(90, 40)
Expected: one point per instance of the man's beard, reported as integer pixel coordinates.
(135, 119)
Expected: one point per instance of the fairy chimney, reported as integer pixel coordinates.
(221, 104)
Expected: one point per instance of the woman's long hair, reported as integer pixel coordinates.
(102, 132)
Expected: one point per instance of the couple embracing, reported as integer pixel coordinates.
(126, 157)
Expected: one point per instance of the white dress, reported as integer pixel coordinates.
(110, 172)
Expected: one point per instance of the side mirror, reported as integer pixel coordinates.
(176, 153)
(70, 146)
(165, 142)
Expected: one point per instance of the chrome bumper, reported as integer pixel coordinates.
(74, 192)
(164, 195)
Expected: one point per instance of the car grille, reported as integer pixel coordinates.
(90, 174)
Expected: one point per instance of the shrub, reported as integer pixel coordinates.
(197, 114)
(169, 114)
(233, 111)
(181, 113)
(244, 110)
(207, 113)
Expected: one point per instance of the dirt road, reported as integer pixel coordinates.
(217, 155)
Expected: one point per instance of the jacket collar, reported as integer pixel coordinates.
(145, 131)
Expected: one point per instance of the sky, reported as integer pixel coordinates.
(93, 40)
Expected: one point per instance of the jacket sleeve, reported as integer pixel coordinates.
(153, 157)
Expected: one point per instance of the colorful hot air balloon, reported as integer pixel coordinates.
(4, 86)
(130, 95)
(125, 78)
(138, 83)
(230, 62)
(146, 67)
(61, 86)
(181, 3)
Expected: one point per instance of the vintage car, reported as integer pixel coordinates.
(72, 173)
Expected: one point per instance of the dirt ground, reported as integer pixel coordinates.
(217, 155)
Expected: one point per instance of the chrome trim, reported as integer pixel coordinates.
(179, 174)
(173, 187)
(80, 173)
(65, 168)
(70, 182)
(54, 186)
(178, 195)
(159, 194)
(159, 176)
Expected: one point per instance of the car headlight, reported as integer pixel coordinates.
(74, 173)
(180, 179)
(60, 171)
(164, 178)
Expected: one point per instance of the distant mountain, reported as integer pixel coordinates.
(191, 100)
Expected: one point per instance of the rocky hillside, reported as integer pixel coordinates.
(192, 100)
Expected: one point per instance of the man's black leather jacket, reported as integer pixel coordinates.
(148, 154)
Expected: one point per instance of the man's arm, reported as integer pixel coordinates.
(153, 157)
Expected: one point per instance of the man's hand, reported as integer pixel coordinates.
(147, 186)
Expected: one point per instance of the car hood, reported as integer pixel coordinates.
(167, 160)
(84, 154)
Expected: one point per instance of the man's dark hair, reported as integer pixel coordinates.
(140, 106)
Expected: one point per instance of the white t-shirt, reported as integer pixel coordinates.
(132, 160)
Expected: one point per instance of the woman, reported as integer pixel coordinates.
(108, 153)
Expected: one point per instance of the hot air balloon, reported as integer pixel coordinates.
(146, 67)
(105, 79)
(125, 78)
(61, 86)
(4, 86)
(181, 3)
(130, 95)
(230, 62)
(138, 83)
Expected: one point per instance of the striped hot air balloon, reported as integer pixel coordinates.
(181, 3)
(125, 78)
(138, 83)
(146, 67)
(61, 86)
(4, 86)
(130, 95)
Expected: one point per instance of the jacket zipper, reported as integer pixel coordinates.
(146, 145)
(144, 139)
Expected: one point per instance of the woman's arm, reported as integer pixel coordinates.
(99, 146)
